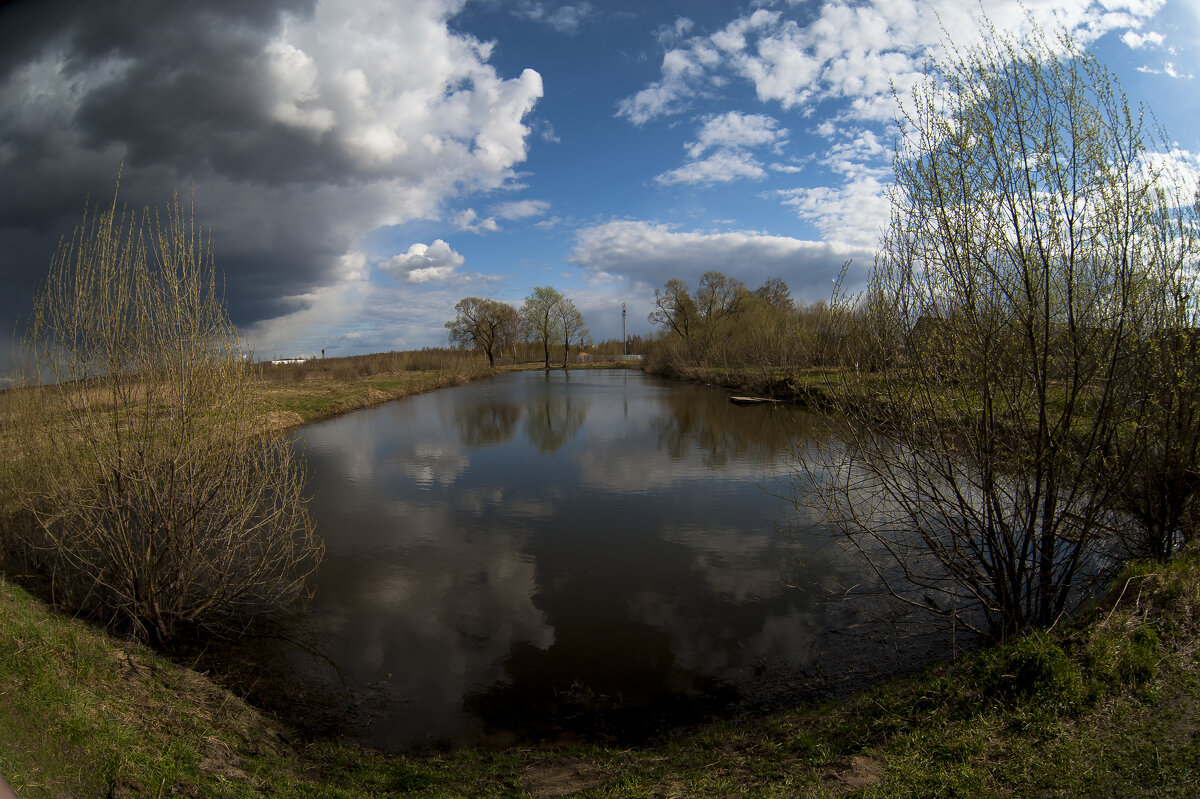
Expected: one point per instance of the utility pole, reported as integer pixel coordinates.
(624, 338)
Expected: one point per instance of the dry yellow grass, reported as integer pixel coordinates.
(281, 405)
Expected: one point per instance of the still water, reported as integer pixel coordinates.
(564, 554)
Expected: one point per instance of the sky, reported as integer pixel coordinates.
(365, 164)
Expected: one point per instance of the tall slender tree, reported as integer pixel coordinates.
(540, 313)
(571, 327)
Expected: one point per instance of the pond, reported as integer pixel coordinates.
(592, 554)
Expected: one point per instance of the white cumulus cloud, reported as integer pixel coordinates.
(856, 51)
(858, 57)
(397, 91)
(469, 221)
(1137, 40)
(735, 129)
(853, 213)
(424, 262)
(723, 166)
(649, 253)
(721, 150)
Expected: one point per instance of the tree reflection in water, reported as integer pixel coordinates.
(553, 416)
(616, 569)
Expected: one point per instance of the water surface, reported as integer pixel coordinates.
(554, 554)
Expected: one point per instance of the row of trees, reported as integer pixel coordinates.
(546, 318)
(724, 325)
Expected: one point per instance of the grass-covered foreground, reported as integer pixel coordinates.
(1110, 707)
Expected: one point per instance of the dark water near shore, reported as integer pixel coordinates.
(582, 555)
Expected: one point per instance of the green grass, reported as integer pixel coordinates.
(1109, 706)
(84, 715)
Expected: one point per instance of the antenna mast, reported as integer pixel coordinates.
(624, 338)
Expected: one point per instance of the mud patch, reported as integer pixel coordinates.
(561, 777)
(852, 773)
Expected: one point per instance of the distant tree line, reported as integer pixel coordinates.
(355, 367)
(759, 336)
(614, 349)
(547, 319)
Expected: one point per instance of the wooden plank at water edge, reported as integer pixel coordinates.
(752, 400)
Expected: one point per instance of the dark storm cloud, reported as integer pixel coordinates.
(186, 90)
(297, 128)
(178, 111)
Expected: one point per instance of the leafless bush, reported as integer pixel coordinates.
(155, 504)
(986, 466)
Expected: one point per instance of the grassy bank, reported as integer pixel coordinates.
(291, 395)
(286, 404)
(806, 387)
(1107, 707)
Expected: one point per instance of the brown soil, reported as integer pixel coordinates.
(561, 777)
(852, 773)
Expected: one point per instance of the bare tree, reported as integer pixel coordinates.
(571, 327)
(675, 311)
(513, 335)
(1029, 255)
(775, 293)
(156, 501)
(483, 324)
(719, 299)
(767, 335)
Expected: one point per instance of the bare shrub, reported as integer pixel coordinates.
(1033, 263)
(155, 505)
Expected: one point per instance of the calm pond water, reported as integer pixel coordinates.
(589, 554)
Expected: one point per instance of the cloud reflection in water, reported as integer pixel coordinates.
(546, 553)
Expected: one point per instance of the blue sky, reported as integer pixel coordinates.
(364, 164)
